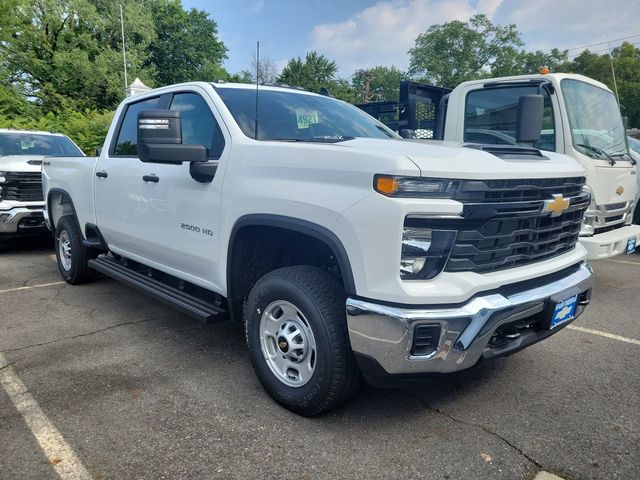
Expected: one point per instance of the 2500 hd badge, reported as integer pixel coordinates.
(196, 229)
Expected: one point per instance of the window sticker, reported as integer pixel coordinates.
(26, 144)
(306, 117)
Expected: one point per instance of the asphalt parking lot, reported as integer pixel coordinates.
(99, 381)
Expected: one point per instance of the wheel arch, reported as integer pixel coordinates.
(60, 204)
(310, 230)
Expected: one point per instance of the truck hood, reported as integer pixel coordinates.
(452, 160)
(21, 163)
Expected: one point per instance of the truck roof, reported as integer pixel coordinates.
(554, 77)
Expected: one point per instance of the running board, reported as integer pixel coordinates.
(192, 306)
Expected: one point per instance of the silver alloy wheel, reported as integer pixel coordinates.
(64, 247)
(287, 343)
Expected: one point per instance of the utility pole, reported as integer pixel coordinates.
(124, 50)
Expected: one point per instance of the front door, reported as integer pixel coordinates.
(157, 213)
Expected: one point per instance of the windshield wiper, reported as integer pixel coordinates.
(327, 139)
(623, 155)
(597, 151)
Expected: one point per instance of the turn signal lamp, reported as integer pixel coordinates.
(416, 187)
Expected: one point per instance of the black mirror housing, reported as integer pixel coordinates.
(529, 118)
(625, 122)
(160, 139)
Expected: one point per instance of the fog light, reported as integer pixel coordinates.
(424, 251)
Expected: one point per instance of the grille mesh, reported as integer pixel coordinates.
(23, 187)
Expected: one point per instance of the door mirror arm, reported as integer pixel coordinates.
(203, 172)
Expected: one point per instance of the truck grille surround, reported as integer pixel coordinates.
(23, 187)
(612, 216)
(504, 223)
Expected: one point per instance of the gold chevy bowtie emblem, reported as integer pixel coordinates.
(556, 206)
(620, 190)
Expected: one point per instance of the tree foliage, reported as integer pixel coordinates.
(186, 46)
(457, 51)
(314, 72)
(378, 83)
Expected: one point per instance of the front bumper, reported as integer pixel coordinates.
(610, 244)
(383, 335)
(22, 220)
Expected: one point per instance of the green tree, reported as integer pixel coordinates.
(525, 63)
(314, 72)
(378, 83)
(456, 51)
(186, 46)
(67, 54)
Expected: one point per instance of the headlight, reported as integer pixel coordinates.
(588, 222)
(424, 251)
(396, 186)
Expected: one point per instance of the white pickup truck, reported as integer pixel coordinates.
(347, 251)
(21, 201)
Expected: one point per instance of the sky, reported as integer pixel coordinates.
(361, 34)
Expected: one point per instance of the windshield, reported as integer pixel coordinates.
(291, 116)
(12, 143)
(596, 123)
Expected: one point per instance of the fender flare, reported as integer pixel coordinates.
(311, 229)
(66, 195)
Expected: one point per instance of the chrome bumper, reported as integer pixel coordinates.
(385, 333)
(21, 220)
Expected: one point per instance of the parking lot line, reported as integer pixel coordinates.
(58, 452)
(30, 287)
(604, 334)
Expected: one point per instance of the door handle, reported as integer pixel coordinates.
(151, 178)
(102, 174)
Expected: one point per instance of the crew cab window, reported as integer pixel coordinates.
(127, 142)
(199, 126)
(490, 116)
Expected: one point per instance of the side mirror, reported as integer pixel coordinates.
(98, 151)
(529, 118)
(160, 139)
(407, 133)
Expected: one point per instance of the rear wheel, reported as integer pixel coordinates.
(298, 340)
(71, 255)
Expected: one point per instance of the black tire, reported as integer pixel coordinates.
(75, 270)
(320, 297)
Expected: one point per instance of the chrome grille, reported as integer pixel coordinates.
(503, 223)
(23, 187)
(612, 216)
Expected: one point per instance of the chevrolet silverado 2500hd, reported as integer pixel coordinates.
(345, 250)
(581, 119)
(21, 201)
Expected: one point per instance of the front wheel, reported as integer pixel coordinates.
(71, 255)
(298, 339)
